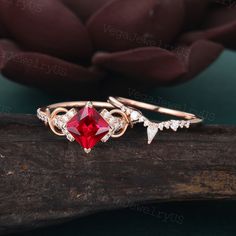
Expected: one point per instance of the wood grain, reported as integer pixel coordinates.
(45, 180)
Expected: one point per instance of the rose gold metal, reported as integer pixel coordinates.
(54, 129)
(47, 111)
(53, 110)
(125, 119)
(125, 111)
(121, 103)
(75, 104)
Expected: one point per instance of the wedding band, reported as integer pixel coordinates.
(80, 121)
(135, 116)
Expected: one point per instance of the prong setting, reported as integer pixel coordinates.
(87, 150)
(88, 126)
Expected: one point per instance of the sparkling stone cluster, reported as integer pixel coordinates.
(116, 124)
(41, 115)
(60, 122)
(134, 115)
(153, 128)
(87, 126)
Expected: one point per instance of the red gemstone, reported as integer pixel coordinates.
(88, 127)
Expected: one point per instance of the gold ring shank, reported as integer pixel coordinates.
(75, 104)
(120, 102)
(47, 110)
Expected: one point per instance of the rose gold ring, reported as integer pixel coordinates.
(80, 121)
(129, 107)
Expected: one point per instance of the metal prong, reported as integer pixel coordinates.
(89, 104)
(87, 150)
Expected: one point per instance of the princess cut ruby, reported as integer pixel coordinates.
(88, 127)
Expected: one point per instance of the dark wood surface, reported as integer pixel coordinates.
(45, 180)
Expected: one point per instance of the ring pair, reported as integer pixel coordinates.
(81, 121)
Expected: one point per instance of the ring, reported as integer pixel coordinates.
(80, 121)
(135, 116)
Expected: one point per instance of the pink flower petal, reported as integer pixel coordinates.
(149, 65)
(8, 50)
(84, 8)
(198, 57)
(122, 25)
(46, 26)
(159, 66)
(220, 26)
(48, 72)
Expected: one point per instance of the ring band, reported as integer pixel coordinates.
(80, 121)
(120, 102)
(87, 126)
(128, 107)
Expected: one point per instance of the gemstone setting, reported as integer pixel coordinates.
(88, 127)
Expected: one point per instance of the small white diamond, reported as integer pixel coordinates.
(115, 123)
(123, 108)
(161, 126)
(89, 104)
(128, 111)
(71, 113)
(187, 125)
(106, 114)
(146, 123)
(182, 123)
(42, 116)
(167, 124)
(70, 137)
(141, 119)
(174, 125)
(58, 122)
(151, 132)
(134, 116)
(87, 150)
(106, 137)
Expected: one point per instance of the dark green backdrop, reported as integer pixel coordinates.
(213, 95)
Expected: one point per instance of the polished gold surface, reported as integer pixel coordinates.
(120, 102)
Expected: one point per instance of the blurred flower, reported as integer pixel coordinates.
(81, 43)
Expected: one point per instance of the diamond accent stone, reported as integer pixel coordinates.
(115, 123)
(135, 116)
(41, 115)
(161, 126)
(61, 120)
(167, 124)
(146, 123)
(141, 119)
(174, 125)
(69, 137)
(182, 123)
(151, 132)
(107, 136)
(187, 124)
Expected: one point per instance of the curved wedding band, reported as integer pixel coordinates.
(121, 102)
(80, 121)
(129, 107)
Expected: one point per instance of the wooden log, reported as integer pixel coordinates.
(45, 180)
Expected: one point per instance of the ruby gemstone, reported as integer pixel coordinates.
(88, 127)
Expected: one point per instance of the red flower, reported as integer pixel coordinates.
(49, 43)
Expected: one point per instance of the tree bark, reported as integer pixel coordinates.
(45, 180)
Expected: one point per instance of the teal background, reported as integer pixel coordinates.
(213, 95)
